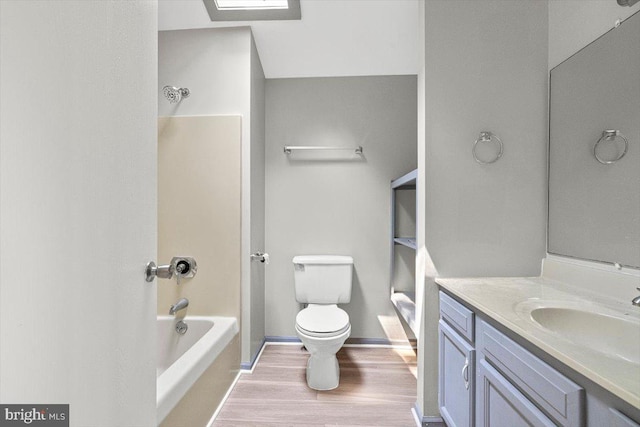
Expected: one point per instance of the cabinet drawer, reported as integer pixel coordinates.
(457, 316)
(560, 398)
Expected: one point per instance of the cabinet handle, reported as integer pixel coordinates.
(465, 373)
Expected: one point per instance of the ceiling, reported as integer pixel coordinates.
(334, 37)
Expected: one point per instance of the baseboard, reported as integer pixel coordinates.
(422, 421)
(282, 339)
(417, 418)
(248, 366)
(380, 342)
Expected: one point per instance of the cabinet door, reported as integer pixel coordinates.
(500, 404)
(620, 420)
(557, 396)
(456, 377)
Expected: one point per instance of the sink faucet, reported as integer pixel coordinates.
(182, 303)
(636, 300)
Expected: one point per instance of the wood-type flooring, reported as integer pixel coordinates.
(377, 388)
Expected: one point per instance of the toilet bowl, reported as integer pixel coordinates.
(323, 329)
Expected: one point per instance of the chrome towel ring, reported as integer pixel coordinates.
(486, 137)
(610, 135)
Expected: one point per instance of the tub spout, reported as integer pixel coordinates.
(182, 303)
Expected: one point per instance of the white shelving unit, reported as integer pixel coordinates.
(403, 300)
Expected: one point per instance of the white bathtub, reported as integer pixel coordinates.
(181, 359)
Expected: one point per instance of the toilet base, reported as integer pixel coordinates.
(323, 373)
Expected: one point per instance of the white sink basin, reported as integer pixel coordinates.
(614, 334)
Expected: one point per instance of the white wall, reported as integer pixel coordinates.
(306, 48)
(213, 64)
(223, 73)
(485, 69)
(78, 208)
(575, 23)
(320, 206)
(426, 401)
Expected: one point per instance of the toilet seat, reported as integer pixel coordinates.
(322, 320)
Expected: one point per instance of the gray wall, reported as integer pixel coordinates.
(485, 69)
(335, 204)
(253, 329)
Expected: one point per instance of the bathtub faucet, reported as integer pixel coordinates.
(636, 300)
(182, 303)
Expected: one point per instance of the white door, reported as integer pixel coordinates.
(78, 114)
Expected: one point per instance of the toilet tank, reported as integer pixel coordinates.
(323, 279)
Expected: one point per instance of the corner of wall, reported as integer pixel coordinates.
(253, 311)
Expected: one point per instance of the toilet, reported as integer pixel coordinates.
(322, 282)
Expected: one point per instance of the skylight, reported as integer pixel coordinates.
(251, 4)
(252, 10)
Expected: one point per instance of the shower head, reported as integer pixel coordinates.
(175, 94)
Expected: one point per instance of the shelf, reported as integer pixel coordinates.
(406, 182)
(404, 302)
(409, 242)
(405, 305)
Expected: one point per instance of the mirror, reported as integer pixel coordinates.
(594, 172)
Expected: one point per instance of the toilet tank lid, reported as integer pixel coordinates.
(322, 259)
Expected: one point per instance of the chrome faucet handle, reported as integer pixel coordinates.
(184, 267)
(161, 271)
(180, 267)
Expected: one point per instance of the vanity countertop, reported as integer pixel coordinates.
(510, 302)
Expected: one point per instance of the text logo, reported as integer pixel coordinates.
(34, 415)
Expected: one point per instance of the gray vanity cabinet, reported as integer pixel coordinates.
(456, 364)
(487, 379)
(500, 404)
